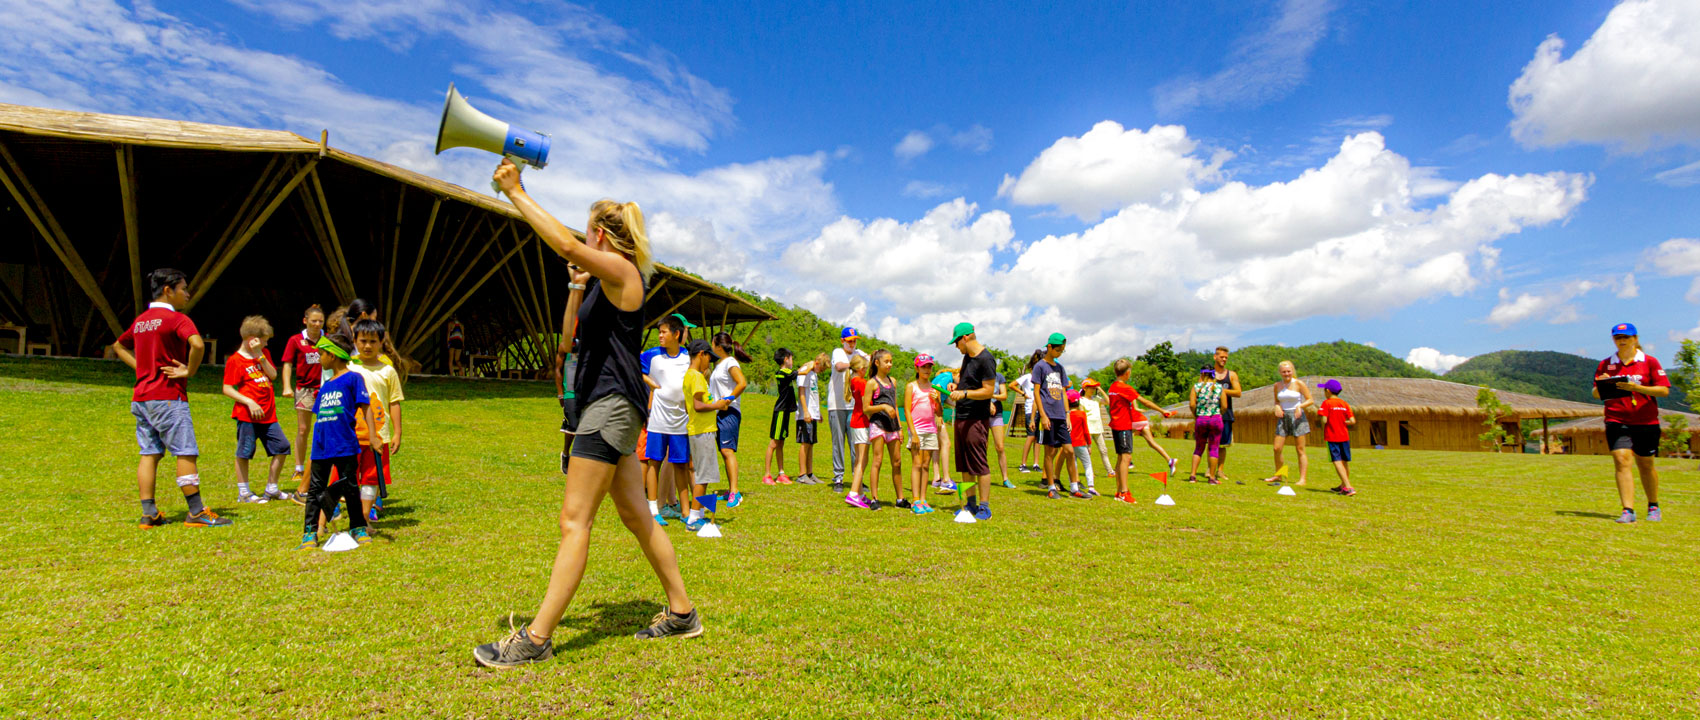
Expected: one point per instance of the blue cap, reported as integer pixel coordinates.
(1624, 329)
(848, 334)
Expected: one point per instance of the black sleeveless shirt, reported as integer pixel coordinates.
(610, 340)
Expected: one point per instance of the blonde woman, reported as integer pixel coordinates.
(615, 255)
(1292, 397)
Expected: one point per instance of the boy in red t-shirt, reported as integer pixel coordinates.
(1081, 441)
(167, 352)
(1337, 418)
(1125, 420)
(248, 376)
(302, 374)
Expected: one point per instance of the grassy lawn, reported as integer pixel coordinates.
(1453, 585)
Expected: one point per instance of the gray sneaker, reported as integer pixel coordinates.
(670, 624)
(1653, 514)
(514, 650)
(1627, 517)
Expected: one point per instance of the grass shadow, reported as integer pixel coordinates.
(609, 619)
(1583, 514)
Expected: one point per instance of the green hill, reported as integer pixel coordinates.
(1541, 372)
(1165, 374)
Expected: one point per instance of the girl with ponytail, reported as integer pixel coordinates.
(727, 383)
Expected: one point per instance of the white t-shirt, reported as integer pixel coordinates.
(1094, 416)
(667, 414)
(835, 390)
(720, 382)
(808, 395)
(1025, 382)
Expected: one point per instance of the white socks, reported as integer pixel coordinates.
(242, 490)
(271, 487)
(654, 508)
(696, 515)
(298, 468)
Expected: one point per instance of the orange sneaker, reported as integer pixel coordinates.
(152, 521)
(206, 518)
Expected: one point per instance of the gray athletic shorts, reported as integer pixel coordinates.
(1292, 425)
(611, 424)
(705, 458)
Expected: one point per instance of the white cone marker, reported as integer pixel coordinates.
(709, 530)
(1165, 500)
(963, 516)
(341, 542)
(1285, 490)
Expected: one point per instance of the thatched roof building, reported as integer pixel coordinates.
(1417, 413)
(1587, 436)
(268, 222)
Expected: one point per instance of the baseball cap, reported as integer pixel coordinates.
(1623, 329)
(1089, 382)
(697, 346)
(1057, 339)
(1074, 396)
(962, 328)
(1331, 384)
(924, 360)
(688, 324)
(848, 334)
(1208, 370)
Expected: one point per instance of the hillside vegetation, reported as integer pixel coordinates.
(1541, 372)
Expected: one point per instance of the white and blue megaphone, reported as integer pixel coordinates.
(464, 126)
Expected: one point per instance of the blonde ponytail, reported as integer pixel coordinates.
(623, 222)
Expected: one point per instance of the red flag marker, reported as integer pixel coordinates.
(1162, 477)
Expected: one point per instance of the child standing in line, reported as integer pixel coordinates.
(248, 376)
(885, 438)
(922, 402)
(301, 375)
(1206, 403)
(778, 426)
(1125, 420)
(1081, 441)
(809, 417)
(1337, 418)
(727, 382)
(383, 386)
(858, 435)
(944, 381)
(1051, 385)
(1030, 413)
(1000, 425)
(343, 402)
(663, 371)
(1089, 404)
(701, 431)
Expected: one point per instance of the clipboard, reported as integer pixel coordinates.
(1608, 387)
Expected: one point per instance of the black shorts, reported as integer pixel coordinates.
(456, 344)
(807, 433)
(970, 446)
(1643, 440)
(1123, 440)
(779, 426)
(1227, 431)
(1057, 436)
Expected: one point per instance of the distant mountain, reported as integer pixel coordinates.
(1165, 374)
(1541, 372)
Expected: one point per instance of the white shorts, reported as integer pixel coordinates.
(858, 436)
(928, 441)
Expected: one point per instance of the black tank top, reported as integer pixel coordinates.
(884, 395)
(610, 340)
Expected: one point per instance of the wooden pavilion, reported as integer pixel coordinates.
(268, 222)
(1587, 436)
(1404, 413)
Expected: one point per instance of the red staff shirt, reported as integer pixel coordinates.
(1123, 411)
(1636, 409)
(300, 351)
(244, 374)
(159, 338)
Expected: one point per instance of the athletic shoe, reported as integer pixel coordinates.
(984, 512)
(1127, 497)
(514, 650)
(671, 511)
(277, 495)
(251, 498)
(1628, 516)
(856, 501)
(1192, 478)
(874, 504)
(783, 480)
(1008, 484)
(372, 515)
(838, 486)
(206, 518)
(1214, 481)
(767, 479)
(1653, 514)
(1080, 494)
(1052, 494)
(360, 536)
(920, 508)
(309, 541)
(1092, 491)
(695, 525)
(151, 521)
(298, 498)
(1348, 492)
(296, 478)
(1171, 466)
(735, 500)
(947, 486)
(671, 624)
(660, 521)
(903, 503)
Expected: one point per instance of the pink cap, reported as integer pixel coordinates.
(924, 360)
(1074, 396)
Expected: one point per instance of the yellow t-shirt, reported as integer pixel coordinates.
(384, 385)
(699, 422)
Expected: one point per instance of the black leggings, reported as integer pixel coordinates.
(347, 488)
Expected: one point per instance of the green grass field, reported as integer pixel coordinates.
(1453, 585)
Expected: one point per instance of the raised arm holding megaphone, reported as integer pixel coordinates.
(464, 126)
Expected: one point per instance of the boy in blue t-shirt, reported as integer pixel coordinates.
(335, 444)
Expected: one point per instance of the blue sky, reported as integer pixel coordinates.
(1438, 178)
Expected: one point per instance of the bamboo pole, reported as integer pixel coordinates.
(39, 215)
(395, 247)
(431, 327)
(14, 306)
(400, 308)
(308, 215)
(202, 286)
(656, 289)
(543, 277)
(753, 330)
(263, 186)
(457, 251)
(132, 229)
(534, 306)
(460, 277)
(669, 311)
(336, 241)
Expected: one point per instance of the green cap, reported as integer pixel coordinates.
(688, 324)
(1057, 339)
(962, 328)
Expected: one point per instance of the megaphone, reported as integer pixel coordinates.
(464, 126)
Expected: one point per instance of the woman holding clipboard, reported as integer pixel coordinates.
(1629, 381)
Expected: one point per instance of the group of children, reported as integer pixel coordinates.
(694, 420)
(1211, 401)
(346, 391)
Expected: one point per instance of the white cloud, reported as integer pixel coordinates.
(1680, 176)
(913, 145)
(1677, 257)
(1627, 289)
(924, 189)
(1554, 306)
(1110, 167)
(1634, 85)
(1434, 360)
(1157, 269)
(1263, 66)
(976, 139)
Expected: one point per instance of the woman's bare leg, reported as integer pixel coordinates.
(587, 482)
(1280, 462)
(998, 435)
(627, 493)
(1304, 461)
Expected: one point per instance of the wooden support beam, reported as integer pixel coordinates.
(431, 327)
(457, 250)
(307, 214)
(263, 186)
(543, 277)
(339, 257)
(435, 304)
(534, 306)
(132, 228)
(14, 306)
(669, 311)
(400, 308)
(395, 246)
(752, 332)
(202, 285)
(725, 310)
(656, 288)
(39, 215)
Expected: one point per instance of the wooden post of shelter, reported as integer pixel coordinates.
(132, 230)
(203, 284)
(753, 330)
(24, 193)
